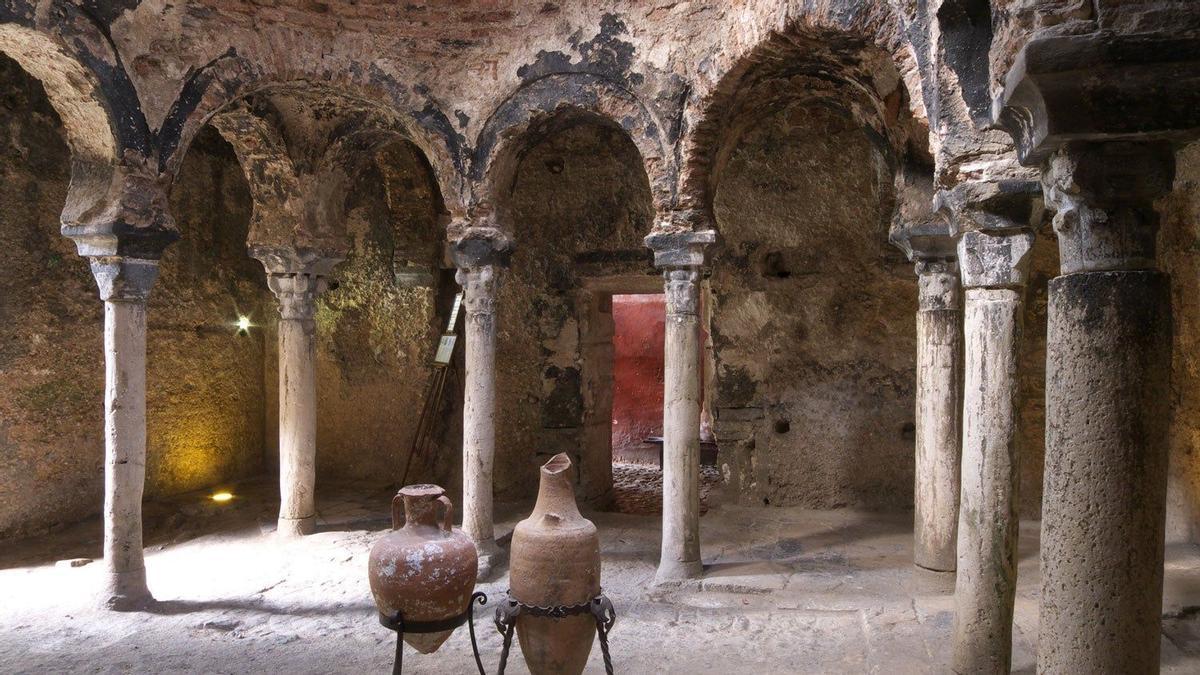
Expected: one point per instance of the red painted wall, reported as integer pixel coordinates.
(637, 374)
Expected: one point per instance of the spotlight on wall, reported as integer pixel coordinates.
(243, 325)
(222, 497)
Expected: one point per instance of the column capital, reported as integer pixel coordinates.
(1000, 205)
(119, 210)
(995, 260)
(1103, 196)
(681, 287)
(296, 259)
(676, 246)
(479, 286)
(296, 275)
(123, 279)
(925, 242)
(479, 243)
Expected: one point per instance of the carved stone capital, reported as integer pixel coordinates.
(124, 279)
(991, 205)
(1103, 197)
(479, 244)
(118, 210)
(938, 285)
(479, 285)
(995, 260)
(296, 276)
(679, 248)
(1102, 86)
(927, 241)
(297, 294)
(682, 291)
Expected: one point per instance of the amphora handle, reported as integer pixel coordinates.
(397, 511)
(448, 514)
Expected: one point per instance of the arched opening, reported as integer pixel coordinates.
(578, 204)
(337, 172)
(204, 384)
(378, 330)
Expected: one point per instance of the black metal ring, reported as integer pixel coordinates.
(396, 623)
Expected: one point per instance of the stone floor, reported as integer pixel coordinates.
(785, 591)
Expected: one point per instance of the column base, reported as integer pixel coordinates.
(491, 557)
(935, 563)
(125, 591)
(671, 572)
(296, 527)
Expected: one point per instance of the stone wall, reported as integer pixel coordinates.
(813, 324)
(204, 384)
(378, 330)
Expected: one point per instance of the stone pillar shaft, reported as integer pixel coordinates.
(1107, 413)
(993, 274)
(124, 286)
(479, 405)
(939, 369)
(681, 427)
(297, 275)
(297, 294)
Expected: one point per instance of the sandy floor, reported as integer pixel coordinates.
(785, 591)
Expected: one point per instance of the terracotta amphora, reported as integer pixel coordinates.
(425, 569)
(555, 561)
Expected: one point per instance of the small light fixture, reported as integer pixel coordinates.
(243, 325)
(222, 497)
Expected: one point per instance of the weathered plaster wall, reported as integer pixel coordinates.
(204, 397)
(637, 372)
(204, 412)
(580, 205)
(378, 330)
(813, 325)
(51, 368)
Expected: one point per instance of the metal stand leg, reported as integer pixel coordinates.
(606, 617)
(481, 598)
(397, 624)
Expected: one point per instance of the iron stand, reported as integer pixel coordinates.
(398, 624)
(600, 607)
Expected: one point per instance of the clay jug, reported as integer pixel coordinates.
(425, 569)
(555, 561)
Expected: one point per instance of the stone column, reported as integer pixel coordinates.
(681, 256)
(1107, 412)
(939, 394)
(480, 255)
(125, 285)
(297, 277)
(994, 267)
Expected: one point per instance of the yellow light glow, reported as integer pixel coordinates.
(243, 323)
(222, 496)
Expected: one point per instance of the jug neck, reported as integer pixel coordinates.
(557, 491)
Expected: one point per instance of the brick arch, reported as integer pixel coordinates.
(516, 122)
(396, 107)
(837, 55)
(115, 203)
